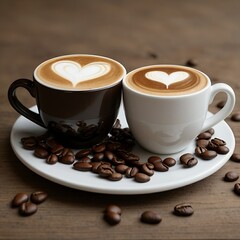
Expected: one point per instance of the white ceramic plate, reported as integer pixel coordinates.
(176, 177)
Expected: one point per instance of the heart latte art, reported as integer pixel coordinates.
(166, 80)
(79, 72)
(76, 73)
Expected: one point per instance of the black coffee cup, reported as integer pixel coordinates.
(78, 118)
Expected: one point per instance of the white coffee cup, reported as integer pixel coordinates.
(167, 123)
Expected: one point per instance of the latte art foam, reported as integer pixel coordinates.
(166, 80)
(79, 72)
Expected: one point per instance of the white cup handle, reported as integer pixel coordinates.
(226, 110)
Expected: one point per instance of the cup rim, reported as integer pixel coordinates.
(125, 85)
(80, 90)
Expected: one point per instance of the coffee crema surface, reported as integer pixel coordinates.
(79, 72)
(166, 80)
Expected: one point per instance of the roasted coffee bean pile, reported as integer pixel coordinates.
(207, 148)
(26, 205)
(112, 159)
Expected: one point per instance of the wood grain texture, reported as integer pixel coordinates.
(136, 33)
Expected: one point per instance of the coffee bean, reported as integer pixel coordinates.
(152, 159)
(19, 199)
(237, 188)
(235, 157)
(204, 135)
(170, 162)
(101, 147)
(113, 208)
(208, 155)
(199, 151)
(67, 159)
(150, 217)
(221, 104)
(82, 153)
(95, 166)
(97, 157)
(112, 218)
(82, 166)
(218, 142)
(109, 156)
(29, 143)
(147, 168)
(105, 170)
(183, 209)
(57, 149)
(128, 156)
(27, 208)
(41, 152)
(115, 176)
(131, 172)
(113, 146)
(222, 150)
(38, 197)
(67, 151)
(51, 142)
(211, 131)
(188, 160)
(121, 168)
(202, 143)
(236, 117)
(85, 159)
(52, 159)
(231, 176)
(141, 177)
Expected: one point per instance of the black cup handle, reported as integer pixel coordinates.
(18, 106)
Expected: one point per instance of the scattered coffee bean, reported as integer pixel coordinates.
(147, 168)
(160, 166)
(141, 177)
(235, 157)
(57, 149)
(19, 199)
(82, 166)
(131, 172)
(218, 142)
(211, 131)
(41, 152)
(152, 159)
(95, 166)
(112, 218)
(112, 214)
(183, 209)
(231, 176)
(115, 176)
(82, 153)
(188, 160)
(113, 208)
(29, 143)
(222, 150)
(27, 208)
(101, 147)
(170, 162)
(105, 170)
(202, 143)
(204, 135)
(236, 117)
(208, 155)
(199, 151)
(236, 188)
(150, 217)
(97, 157)
(52, 159)
(121, 168)
(67, 159)
(38, 197)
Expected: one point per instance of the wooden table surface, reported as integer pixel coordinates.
(136, 33)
